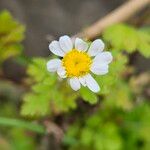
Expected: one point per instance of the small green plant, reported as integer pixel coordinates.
(11, 34)
(47, 94)
(119, 122)
(116, 118)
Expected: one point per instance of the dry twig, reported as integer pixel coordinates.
(122, 13)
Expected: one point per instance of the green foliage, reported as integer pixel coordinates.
(15, 133)
(11, 34)
(144, 44)
(116, 68)
(124, 37)
(88, 96)
(20, 140)
(50, 94)
(119, 123)
(120, 96)
(111, 129)
(47, 95)
(136, 128)
(119, 118)
(21, 124)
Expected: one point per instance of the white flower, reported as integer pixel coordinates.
(78, 60)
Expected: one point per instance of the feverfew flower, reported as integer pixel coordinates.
(78, 61)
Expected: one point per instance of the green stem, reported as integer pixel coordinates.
(22, 124)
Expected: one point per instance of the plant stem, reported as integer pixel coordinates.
(22, 124)
(121, 14)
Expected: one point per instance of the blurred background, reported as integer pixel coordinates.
(26, 29)
(55, 18)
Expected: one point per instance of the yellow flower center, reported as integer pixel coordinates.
(76, 63)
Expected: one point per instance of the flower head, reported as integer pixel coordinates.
(78, 60)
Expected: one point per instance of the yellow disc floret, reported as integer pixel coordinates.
(76, 63)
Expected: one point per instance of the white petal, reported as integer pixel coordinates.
(104, 57)
(55, 48)
(53, 65)
(99, 69)
(74, 83)
(61, 72)
(96, 47)
(81, 45)
(91, 83)
(82, 81)
(65, 43)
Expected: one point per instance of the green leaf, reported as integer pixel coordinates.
(88, 96)
(46, 96)
(144, 44)
(36, 104)
(120, 96)
(11, 34)
(10, 51)
(116, 68)
(122, 37)
(7, 22)
(63, 101)
(37, 69)
(125, 37)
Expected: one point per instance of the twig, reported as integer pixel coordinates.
(120, 14)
